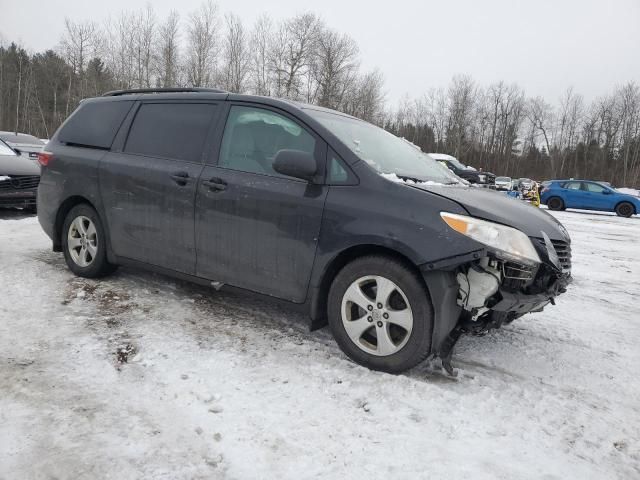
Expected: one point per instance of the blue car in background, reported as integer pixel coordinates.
(588, 195)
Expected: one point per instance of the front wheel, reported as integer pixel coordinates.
(624, 209)
(84, 243)
(380, 314)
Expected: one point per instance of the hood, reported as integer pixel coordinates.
(18, 165)
(497, 207)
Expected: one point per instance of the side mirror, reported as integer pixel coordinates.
(606, 192)
(18, 152)
(295, 163)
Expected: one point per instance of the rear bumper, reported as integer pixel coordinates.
(22, 198)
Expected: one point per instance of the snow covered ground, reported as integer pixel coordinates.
(141, 376)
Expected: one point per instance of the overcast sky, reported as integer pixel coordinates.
(543, 45)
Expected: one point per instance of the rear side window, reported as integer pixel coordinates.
(94, 124)
(170, 130)
(572, 185)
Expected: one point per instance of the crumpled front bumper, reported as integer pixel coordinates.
(520, 303)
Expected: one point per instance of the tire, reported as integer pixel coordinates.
(400, 347)
(555, 203)
(84, 243)
(625, 209)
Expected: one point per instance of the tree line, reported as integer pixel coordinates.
(499, 129)
(495, 127)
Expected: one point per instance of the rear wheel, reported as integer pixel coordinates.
(380, 314)
(625, 209)
(84, 243)
(555, 203)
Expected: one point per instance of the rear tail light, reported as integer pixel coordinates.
(544, 189)
(44, 158)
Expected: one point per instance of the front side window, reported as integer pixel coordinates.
(253, 136)
(175, 131)
(593, 187)
(337, 173)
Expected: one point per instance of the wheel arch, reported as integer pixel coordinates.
(635, 210)
(320, 293)
(64, 208)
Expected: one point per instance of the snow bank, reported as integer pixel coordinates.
(141, 376)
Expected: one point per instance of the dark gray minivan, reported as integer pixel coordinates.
(300, 203)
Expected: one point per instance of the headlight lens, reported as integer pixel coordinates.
(507, 242)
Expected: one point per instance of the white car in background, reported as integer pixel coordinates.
(504, 183)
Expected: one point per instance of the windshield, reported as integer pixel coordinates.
(503, 179)
(6, 150)
(384, 152)
(456, 163)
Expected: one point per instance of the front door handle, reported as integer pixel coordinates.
(181, 178)
(215, 184)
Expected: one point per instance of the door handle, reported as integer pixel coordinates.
(181, 178)
(215, 184)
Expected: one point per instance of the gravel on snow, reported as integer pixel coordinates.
(142, 376)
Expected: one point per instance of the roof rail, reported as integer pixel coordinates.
(115, 93)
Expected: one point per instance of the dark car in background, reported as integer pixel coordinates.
(588, 195)
(463, 171)
(295, 202)
(19, 178)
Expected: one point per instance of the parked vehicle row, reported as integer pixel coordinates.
(296, 202)
(578, 194)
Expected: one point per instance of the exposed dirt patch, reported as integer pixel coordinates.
(124, 352)
(113, 303)
(80, 288)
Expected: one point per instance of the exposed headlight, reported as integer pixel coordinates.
(507, 242)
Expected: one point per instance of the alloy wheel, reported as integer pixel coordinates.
(82, 241)
(376, 315)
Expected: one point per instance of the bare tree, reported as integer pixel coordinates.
(335, 64)
(203, 44)
(236, 55)
(167, 55)
(260, 46)
(461, 101)
(142, 45)
(119, 51)
(365, 98)
(540, 115)
(79, 44)
(292, 54)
